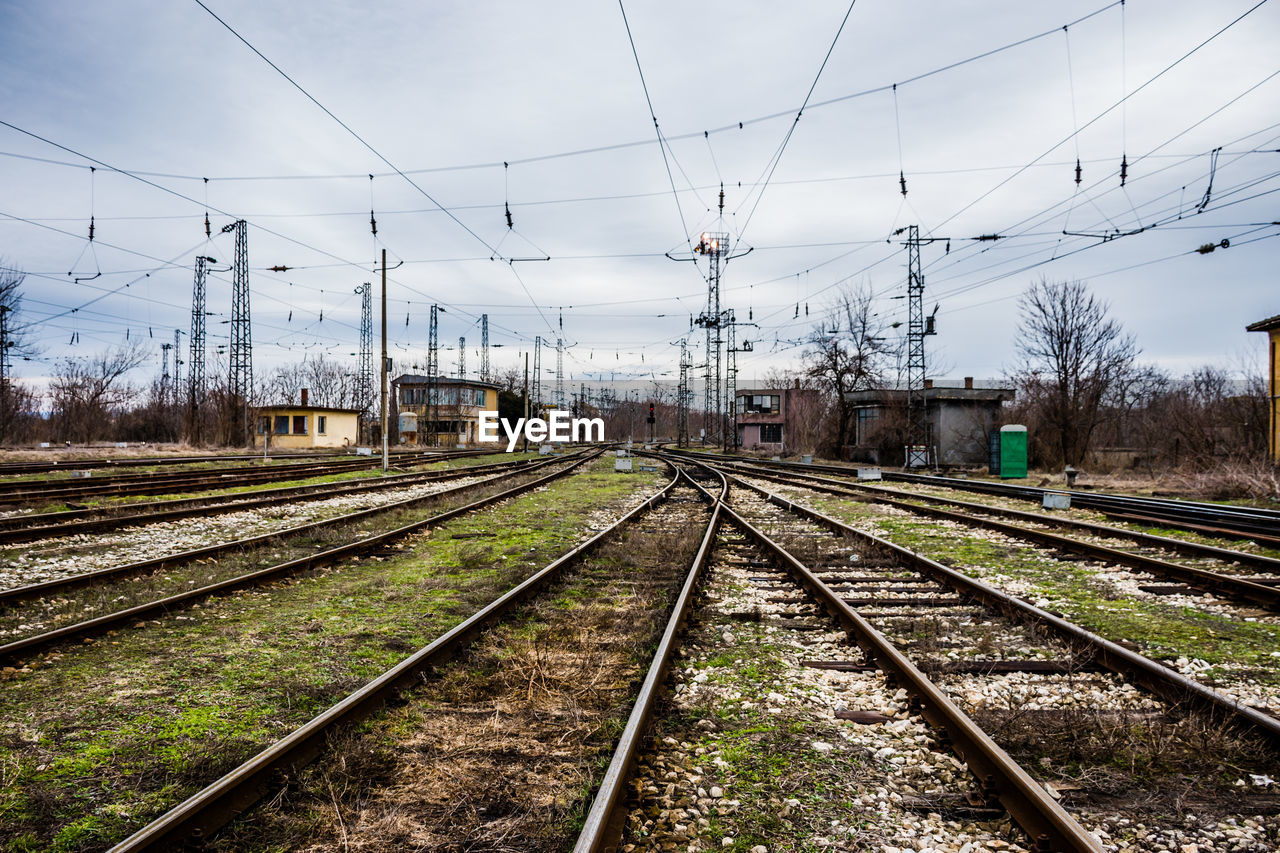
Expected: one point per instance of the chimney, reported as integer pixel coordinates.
(968, 383)
(304, 396)
(928, 383)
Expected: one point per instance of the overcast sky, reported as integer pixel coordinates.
(449, 91)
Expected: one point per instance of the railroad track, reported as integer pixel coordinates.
(93, 464)
(197, 818)
(876, 603)
(164, 482)
(1151, 675)
(1222, 520)
(58, 588)
(1257, 590)
(34, 526)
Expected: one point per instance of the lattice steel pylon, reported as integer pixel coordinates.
(682, 397)
(462, 358)
(917, 328)
(241, 350)
(536, 391)
(560, 373)
(177, 366)
(433, 374)
(195, 375)
(364, 374)
(484, 347)
(165, 378)
(714, 245)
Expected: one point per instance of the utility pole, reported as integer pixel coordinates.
(917, 327)
(177, 365)
(560, 373)
(525, 449)
(462, 358)
(195, 382)
(364, 374)
(5, 343)
(537, 373)
(433, 373)
(682, 397)
(164, 374)
(484, 348)
(731, 375)
(385, 367)
(241, 336)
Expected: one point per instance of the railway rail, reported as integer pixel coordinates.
(998, 775)
(1154, 677)
(34, 526)
(1259, 591)
(165, 482)
(34, 644)
(202, 814)
(1222, 520)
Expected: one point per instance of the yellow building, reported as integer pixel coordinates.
(306, 426)
(1272, 327)
(443, 412)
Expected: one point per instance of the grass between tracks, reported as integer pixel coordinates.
(448, 464)
(24, 619)
(102, 738)
(1235, 649)
(504, 748)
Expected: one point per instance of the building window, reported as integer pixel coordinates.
(299, 424)
(867, 419)
(282, 425)
(322, 421)
(264, 424)
(771, 433)
(759, 404)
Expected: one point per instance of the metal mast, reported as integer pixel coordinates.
(462, 358)
(560, 373)
(682, 397)
(164, 373)
(177, 365)
(195, 381)
(241, 374)
(917, 327)
(364, 374)
(4, 371)
(731, 382)
(484, 347)
(433, 372)
(537, 376)
(713, 245)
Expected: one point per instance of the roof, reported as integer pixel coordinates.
(1264, 325)
(420, 379)
(973, 395)
(307, 408)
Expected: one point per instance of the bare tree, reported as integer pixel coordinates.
(16, 401)
(1073, 355)
(86, 392)
(328, 383)
(846, 353)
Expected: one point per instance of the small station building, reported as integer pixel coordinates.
(768, 418)
(305, 426)
(443, 412)
(959, 419)
(1271, 326)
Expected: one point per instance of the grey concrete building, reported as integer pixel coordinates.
(959, 415)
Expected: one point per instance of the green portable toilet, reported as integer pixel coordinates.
(1013, 452)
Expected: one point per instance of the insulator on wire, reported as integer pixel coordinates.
(510, 223)
(373, 224)
(902, 180)
(1077, 171)
(1124, 169)
(208, 230)
(90, 228)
